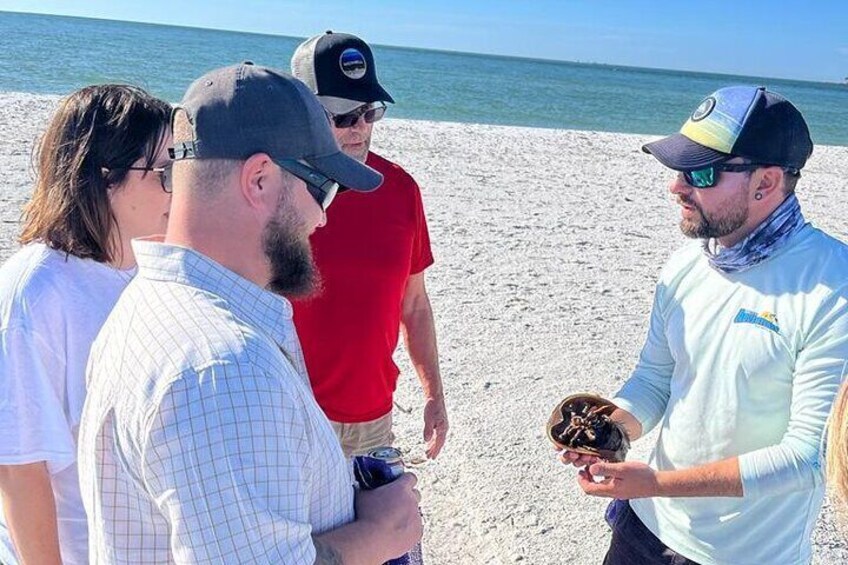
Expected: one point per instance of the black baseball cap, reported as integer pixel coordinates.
(245, 109)
(340, 69)
(738, 121)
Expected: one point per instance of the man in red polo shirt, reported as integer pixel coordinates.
(372, 255)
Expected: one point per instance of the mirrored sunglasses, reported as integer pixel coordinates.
(708, 177)
(369, 112)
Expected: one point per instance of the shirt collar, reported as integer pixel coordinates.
(262, 308)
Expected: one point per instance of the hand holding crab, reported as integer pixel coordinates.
(630, 479)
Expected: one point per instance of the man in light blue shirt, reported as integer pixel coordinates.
(201, 441)
(746, 348)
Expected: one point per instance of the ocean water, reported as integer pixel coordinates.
(50, 54)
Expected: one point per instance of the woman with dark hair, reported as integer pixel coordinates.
(102, 179)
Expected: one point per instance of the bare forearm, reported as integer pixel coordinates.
(351, 544)
(721, 478)
(30, 511)
(419, 331)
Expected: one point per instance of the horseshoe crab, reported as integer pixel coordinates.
(582, 423)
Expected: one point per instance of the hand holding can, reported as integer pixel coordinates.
(388, 498)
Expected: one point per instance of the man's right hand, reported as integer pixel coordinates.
(393, 511)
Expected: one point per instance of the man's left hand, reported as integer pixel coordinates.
(631, 479)
(435, 425)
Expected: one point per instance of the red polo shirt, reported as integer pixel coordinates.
(371, 244)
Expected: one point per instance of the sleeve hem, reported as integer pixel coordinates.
(56, 462)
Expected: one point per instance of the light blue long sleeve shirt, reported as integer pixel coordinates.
(744, 364)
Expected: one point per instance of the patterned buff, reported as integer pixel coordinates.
(768, 237)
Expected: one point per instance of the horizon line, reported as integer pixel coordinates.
(837, 82)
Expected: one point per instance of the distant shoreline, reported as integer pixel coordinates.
(729, 76)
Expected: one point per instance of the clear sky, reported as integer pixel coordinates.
(797, 39)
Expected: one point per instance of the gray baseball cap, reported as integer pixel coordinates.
(245, 109)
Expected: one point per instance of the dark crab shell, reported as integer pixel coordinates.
(614, 444)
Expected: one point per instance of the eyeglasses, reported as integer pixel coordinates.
(163, 172)
(370, 113)
(322, 188)
(708, 176)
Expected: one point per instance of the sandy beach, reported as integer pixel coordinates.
(547, 245)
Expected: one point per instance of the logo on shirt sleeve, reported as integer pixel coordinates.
(764, 319)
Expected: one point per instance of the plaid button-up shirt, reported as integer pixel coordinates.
(201, 441)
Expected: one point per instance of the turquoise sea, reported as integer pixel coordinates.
(50, 54)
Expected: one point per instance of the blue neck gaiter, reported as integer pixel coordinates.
(768, 237)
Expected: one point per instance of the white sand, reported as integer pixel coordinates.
(547, 245)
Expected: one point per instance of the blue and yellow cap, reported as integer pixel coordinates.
(737, 121)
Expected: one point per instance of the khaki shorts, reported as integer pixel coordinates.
(360, 438)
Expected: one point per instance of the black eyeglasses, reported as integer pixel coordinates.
(163, 172)
(322, 188)
(708, 177)
(370, 113)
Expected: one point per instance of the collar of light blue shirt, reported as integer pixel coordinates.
(159, 261)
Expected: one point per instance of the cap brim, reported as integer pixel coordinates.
(680, 153)
(347, 171)
(338, 105)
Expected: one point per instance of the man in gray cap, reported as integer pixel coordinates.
(201, 440)
(372, 259)
(746, 347)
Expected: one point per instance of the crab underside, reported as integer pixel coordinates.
(583, 424)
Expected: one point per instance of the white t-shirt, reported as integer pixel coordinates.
(52, 306)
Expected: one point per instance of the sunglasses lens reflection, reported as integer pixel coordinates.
(350, 119)
(702, 178)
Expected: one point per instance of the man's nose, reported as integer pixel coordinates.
(678, 185)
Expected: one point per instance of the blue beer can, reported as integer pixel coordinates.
(380, 467)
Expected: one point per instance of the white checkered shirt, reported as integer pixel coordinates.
(201, 441)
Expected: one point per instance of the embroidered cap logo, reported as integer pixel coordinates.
(704, 109)
(353, 64)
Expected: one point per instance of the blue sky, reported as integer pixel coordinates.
(799, 39)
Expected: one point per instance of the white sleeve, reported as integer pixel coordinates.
(34, 424)
(645, 394)
(796, 463)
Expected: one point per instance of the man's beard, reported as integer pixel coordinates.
(293, 272)
(720, 224)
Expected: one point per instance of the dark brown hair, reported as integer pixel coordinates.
(94, 135)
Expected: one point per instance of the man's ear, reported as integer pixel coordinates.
(255, 178)
(771, 180)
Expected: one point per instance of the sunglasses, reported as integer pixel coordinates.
(708, 177)
(321, 187)
(163, 172)
(369, 112)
